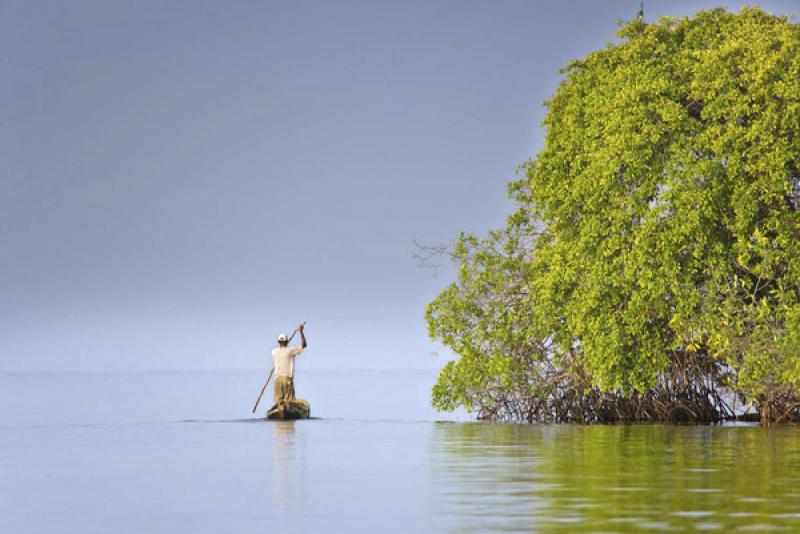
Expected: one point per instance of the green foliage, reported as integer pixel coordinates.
(660, 221)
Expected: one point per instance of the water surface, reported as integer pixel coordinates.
(171, 452)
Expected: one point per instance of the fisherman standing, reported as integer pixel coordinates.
(283, 363)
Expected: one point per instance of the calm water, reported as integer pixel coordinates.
(179, 452)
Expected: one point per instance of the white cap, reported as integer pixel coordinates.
(282, 337)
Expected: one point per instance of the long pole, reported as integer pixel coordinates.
(269, 376)
(296, 330)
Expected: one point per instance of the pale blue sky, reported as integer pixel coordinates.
(182, 180)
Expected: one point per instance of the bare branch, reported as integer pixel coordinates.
(430, 256)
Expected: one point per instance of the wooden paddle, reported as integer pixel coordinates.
(269, 377)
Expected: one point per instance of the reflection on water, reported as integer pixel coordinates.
(286, 467)
(615, 478)
(387, 466)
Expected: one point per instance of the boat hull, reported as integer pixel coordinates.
(296, 409)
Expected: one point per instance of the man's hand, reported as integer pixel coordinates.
(303, 341)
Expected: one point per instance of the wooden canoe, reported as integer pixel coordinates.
(296, 409)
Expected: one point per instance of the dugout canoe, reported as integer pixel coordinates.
(297, 409)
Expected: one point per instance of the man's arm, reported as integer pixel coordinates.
(303, 336)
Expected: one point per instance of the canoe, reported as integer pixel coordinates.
(296, 409)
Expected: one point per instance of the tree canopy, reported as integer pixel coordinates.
(651, 269)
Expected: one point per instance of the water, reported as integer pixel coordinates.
(180, 452)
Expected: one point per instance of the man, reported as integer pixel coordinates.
(283, 362)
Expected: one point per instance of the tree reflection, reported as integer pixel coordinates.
(620, 478)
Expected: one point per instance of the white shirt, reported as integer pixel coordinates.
(283, 360)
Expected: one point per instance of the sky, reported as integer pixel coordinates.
(181, 181)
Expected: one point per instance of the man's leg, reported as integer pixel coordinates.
(282, 394)
(278, 392)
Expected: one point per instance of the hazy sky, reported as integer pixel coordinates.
(180, 181)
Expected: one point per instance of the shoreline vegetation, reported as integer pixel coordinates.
(651, 270)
